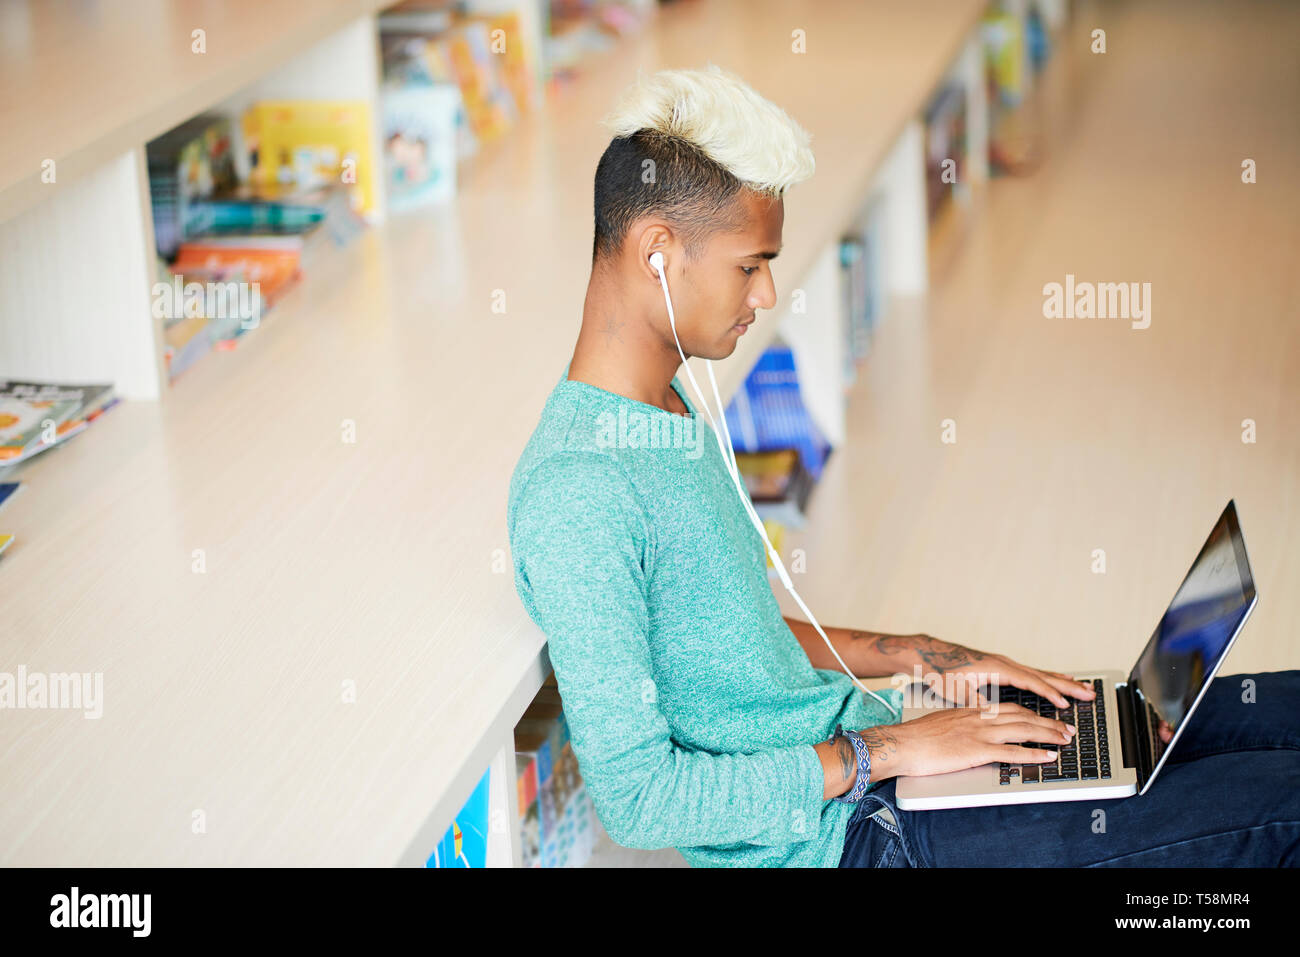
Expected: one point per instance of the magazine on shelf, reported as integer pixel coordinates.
(35, 416)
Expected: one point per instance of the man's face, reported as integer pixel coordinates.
(714, 298)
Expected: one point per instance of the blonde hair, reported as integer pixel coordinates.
(721, 115)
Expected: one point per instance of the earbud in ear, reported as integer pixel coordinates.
(657, 260)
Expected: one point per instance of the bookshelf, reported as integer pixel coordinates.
(382, 562)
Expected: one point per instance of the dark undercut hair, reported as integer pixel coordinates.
(650, 172)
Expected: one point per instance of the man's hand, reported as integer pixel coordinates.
(953, 739)
(957, 672)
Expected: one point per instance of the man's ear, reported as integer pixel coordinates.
(654, 239)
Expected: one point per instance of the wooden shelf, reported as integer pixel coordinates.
(384, 562)
(100, 78)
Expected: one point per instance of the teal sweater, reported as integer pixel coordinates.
(692, 708)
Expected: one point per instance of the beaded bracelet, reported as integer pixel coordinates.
(864, 765)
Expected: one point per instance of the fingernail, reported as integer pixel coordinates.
(1072, 728)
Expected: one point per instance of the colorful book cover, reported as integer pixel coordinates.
(518, 70)
(530, 811)
(7, 490)
(465, 843)
(188, 163)
(311, 143)
(273, 262)
(488, 102)
(420, 144)
(37, 415)
(5, 542)
(1004, 56)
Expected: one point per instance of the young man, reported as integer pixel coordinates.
(700, 716)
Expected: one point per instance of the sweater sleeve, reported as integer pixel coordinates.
(580, 542)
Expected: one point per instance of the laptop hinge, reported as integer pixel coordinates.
(1132, 709)
(1127, 728)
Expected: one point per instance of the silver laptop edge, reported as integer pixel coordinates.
(980, 787)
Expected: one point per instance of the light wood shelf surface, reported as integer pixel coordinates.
(383, 562)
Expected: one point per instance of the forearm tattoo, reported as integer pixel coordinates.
(848, 758)
(881, 742)
(938, 655)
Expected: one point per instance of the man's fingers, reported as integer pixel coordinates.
(1067, 685)
(1018, 755)
(1051, 725)
(1029, 731)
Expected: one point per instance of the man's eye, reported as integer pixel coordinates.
(749, 270)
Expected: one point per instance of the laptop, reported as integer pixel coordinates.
(1126, 733)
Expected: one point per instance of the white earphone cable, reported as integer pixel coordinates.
(729, 460)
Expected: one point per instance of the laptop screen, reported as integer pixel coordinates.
(1195, 632)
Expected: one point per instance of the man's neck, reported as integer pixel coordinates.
(618, 350)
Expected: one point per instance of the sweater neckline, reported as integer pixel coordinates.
(566, 382)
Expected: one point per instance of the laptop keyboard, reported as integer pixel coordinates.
(1085, 758)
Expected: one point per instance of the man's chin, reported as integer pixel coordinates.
(723, 350)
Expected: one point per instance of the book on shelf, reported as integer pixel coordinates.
(7, 491)
(489, 102)
(187, 164)
(768, 412)
(555, 813)
(777, 483)
(423, 62)
(247, 249)
(312, 143)
(465, 843)
(862, 284)
(1004, 56)
(35, 416)
(416, 16)
(1008, 44)
(577, 29)
(420, 144)
(776, 535)
(945, 146)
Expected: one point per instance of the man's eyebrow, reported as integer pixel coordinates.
(765, 254)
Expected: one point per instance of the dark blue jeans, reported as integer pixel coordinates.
(1229, 796)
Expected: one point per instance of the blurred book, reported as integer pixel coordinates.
(420, 144)
(557, 820)
(945, 146)
(187, 164)
(308, 144)
(489, 103)
(768, 413)
(7, 491)
(417, 16)
(465, 843)
(35, 416)
(777, 483)
(863, 289)
(776, 535)
(1004, 57)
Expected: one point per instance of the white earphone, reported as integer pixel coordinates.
(729, 459)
